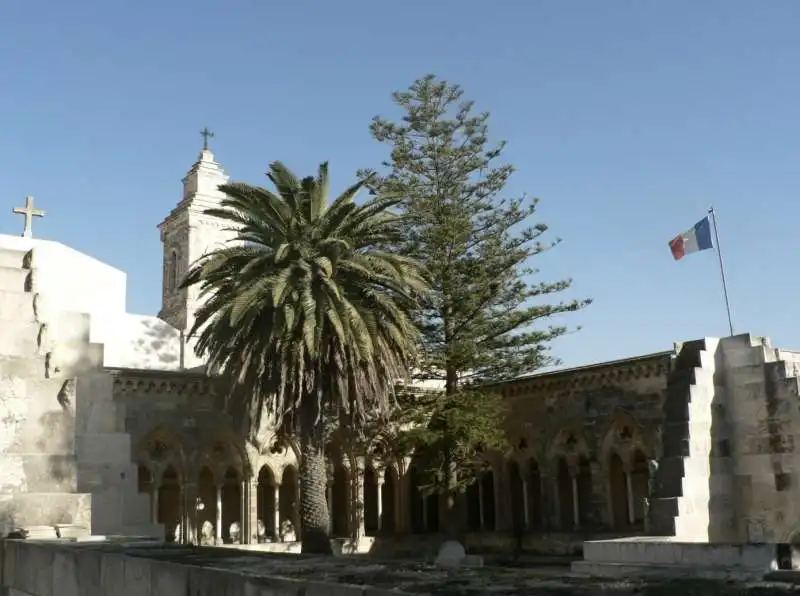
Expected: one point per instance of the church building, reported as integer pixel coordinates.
(110, 425)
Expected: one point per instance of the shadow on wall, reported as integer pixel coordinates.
(153, 344)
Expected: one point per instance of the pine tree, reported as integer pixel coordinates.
(487, 318)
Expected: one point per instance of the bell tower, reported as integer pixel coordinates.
(187, 234)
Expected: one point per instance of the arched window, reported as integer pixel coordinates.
(172, 272)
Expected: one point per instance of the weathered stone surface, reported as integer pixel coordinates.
(451, 554)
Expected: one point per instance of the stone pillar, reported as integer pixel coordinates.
(253, 513)
(629, 495)
(358, 500)
(576, 507)
(480, 503)
(330, 499)
(219, 515)
(189, 518)
(379, 480)
(424, 512)
(154, 502)
(276, 514)
(526, 516)
(244, 535)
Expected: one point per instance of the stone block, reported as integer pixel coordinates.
(25, 368)
(46, 473)
(89, 564)
(16, 306)
(13, 279)
(169, 579)
(71, 327)
(65, 573)
(103, 448)
(73, 358)
(205, 581)
(112, 574)
(138, 577)
(276, 586)
(19, 338)
(13, 259)
(47, 509)
(331, 589)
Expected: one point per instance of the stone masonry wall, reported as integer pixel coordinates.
(62, 461)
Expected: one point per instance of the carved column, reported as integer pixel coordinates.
(253, 513)
(358, 499)
(219, 515)
(244, 501)
(154, 495)
(576, 507)
(380, 481)
(526, 516)
(276, 514)
(189, 529)
(481, 515)
(330, 498)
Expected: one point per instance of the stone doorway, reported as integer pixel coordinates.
(207, 493)
(516, 493)
(371, 496)
(389, 501)
(288, 495)
(169, 502)
(231, 498)
(340, 503)
(265, 500)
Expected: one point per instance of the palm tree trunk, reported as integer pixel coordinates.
(314, 516)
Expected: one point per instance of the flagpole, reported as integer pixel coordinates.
(713, 215)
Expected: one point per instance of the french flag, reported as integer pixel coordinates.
(694, 239)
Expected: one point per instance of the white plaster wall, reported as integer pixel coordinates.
(70, 281)
(142, 341)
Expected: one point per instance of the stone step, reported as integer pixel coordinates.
(23, 368)
(44, 473)
(14, 259)
(16, 306)
(47, 509)
(14, 280)
(19, 339)
(658, 571)
(70, 359)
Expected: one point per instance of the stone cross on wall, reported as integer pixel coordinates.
(29, 211)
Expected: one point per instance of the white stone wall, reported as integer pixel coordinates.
(70, 281)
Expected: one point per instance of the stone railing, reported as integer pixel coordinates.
(32, 568)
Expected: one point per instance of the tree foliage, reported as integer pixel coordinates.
(489, 316)
(307, 314)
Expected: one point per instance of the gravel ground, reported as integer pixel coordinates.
(420, 578)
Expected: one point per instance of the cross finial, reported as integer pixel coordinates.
(206, 134)
(29, 211)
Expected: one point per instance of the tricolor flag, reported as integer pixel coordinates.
(694, 239)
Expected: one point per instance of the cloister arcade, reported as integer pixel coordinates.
(563, 486)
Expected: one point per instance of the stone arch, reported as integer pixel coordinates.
(391, 482)
(372, 496)
(624, 436)
(168, 502)
(225, 450)
(159, 449)
(623, 457)
(172, 271)
(289, 497)
(569, 455)
(265, 504)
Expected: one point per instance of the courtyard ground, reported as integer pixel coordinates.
(421, 578)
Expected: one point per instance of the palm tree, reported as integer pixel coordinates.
(306, 313)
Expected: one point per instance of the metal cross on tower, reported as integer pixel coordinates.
(206, 134)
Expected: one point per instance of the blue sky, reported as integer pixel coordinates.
(628, 118)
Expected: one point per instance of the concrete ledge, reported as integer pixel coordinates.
(96, 569)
